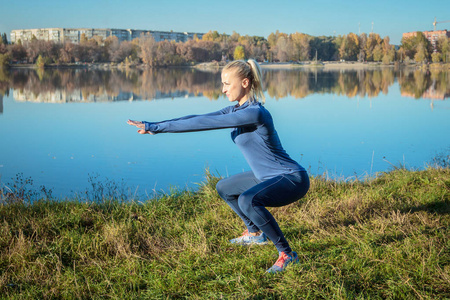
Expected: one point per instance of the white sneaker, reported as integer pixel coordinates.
(247, 239)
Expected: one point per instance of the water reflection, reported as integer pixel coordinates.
(430, 85)
(70, 85)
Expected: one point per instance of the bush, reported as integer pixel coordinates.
(436, 57)
(4, 60)
(43, 61)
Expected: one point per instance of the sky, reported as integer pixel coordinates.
(252, 17)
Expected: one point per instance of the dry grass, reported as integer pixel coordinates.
(383, 238)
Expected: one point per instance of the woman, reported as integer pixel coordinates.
(274, 180)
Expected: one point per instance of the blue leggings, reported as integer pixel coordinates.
(248, 197)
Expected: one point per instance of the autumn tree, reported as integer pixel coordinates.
(41, 61)
(123, 50)
(239, 53)
(46, 49)
(421, 53)
(443, 47)
(377, 53)
(436, 57)
(349, 48)
(166, 54)
(4, 56)
(17, 52)
(4, 60)
(417, 43)
(212, 36)
(373, 40)
(362, 45)
(300, 46)
(272, 40)
(147, 46)
(66, 53)
(83, 38)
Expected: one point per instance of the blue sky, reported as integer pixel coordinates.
(315, 17)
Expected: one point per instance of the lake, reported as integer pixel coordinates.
(67, 131)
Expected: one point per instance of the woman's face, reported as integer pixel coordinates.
(235, 88)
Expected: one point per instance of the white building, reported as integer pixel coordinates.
(62, 35)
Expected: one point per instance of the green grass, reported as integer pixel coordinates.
(381, 238)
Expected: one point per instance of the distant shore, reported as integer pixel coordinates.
(328, 65)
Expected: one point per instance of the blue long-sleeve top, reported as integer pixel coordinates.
(252, 131)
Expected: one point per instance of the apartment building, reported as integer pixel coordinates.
(432, 35)
(62, 35)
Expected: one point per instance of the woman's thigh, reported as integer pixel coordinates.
(278, 191)
(236, 184)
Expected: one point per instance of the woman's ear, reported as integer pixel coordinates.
(245, 83)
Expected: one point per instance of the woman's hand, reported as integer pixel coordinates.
(139, 125)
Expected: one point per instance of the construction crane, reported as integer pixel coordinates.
(434, 23)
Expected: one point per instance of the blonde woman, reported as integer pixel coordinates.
(274, 180)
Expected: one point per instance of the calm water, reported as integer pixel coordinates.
(65, 128)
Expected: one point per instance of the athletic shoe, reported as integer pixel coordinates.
(283, 261)
(247, 239)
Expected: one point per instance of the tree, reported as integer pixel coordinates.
(166, 54)
(66, 53)
(17, 52)
(211, 36)
(388, 51)
(349, 48)
(83, 38)
(401, 55)
(125, 49)
(41, 62)
(239, 53)
(3, 49)
(147, 45)
(301, 48)
(373, 40)
(421, 54)
(235, 37)
(4, 60)
(44, 48)
(377, 54)
(443, 46)
(362, 45)
(416, 43)
(436, 57)
(325, 46)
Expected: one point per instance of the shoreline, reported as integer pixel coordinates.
(208, 66)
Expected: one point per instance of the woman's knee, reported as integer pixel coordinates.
(245, 202)
(223, 188)
(220, 187)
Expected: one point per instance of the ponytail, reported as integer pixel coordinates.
(252, 72)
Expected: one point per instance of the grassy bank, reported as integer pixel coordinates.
(384, 238)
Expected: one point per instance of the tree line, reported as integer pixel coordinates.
(278, 47)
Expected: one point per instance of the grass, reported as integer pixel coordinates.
(382, 238)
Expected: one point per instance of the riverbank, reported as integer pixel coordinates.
(384, 238)
(214, 66)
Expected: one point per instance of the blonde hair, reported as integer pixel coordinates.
(249, 69)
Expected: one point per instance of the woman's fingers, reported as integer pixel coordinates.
(136, 123)
(142, 131)
(139, 125)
